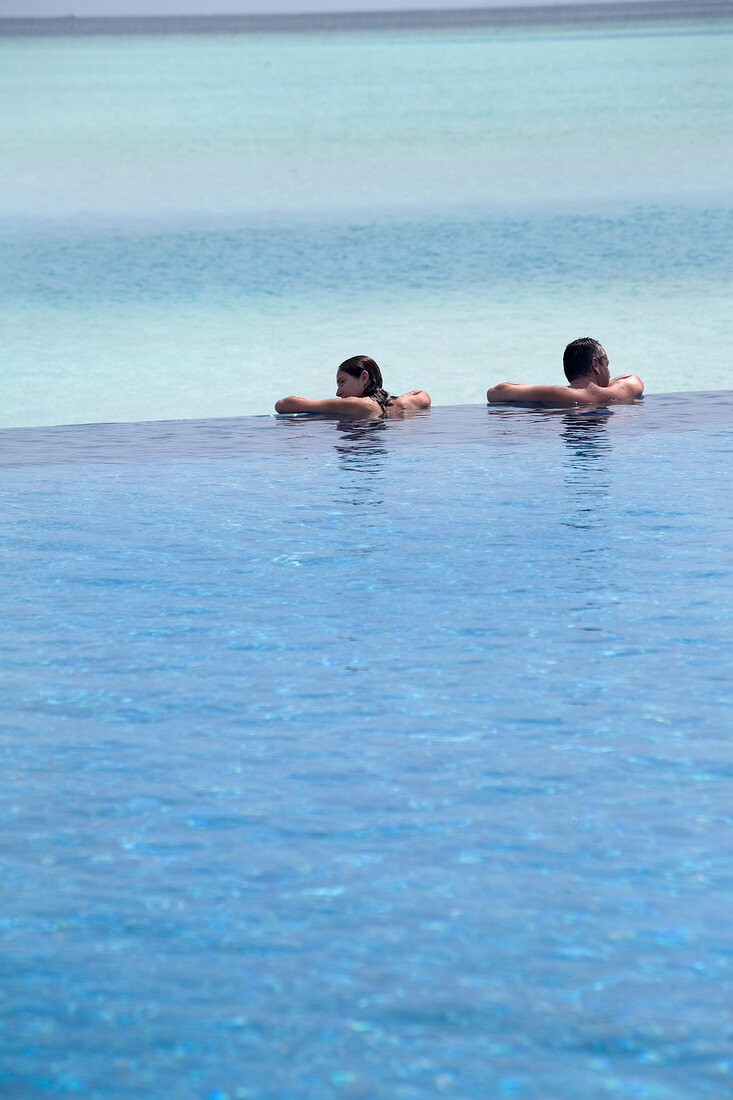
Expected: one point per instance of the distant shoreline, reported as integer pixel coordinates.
(592, 14)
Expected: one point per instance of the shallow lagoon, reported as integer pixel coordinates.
(195, 225)
(382, 760)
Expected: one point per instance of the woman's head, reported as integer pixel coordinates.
(358, 377)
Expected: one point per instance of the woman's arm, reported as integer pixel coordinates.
(331, 406)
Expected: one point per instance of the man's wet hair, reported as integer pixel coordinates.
(578, 356)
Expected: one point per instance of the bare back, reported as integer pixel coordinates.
(582, 392)
(357, 408)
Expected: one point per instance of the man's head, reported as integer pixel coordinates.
(585, 358)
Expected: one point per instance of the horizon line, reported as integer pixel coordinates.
(617, 11)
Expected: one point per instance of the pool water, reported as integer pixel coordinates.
(377, 760)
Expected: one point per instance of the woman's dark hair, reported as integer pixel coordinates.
(374, 387)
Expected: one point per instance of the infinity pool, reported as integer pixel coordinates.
(385, 761)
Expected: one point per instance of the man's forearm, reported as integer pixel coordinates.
(504, 391)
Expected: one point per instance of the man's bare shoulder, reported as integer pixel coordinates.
(626, 387)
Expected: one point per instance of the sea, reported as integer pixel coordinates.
(195, 224)
(381, 760)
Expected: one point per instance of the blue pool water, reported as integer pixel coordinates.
(369, 760)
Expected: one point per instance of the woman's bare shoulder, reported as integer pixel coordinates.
(414, 399)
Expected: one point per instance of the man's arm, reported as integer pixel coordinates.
(545, 395)
(331, 406)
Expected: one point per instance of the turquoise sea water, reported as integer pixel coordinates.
(196, 225)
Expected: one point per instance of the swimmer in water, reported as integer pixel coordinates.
(586, 368)
(360, 393)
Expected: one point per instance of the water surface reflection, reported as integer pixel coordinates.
(588, 481)
(361, 448)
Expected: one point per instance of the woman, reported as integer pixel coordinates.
(359, 393)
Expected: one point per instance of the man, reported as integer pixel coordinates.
(586, 368)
